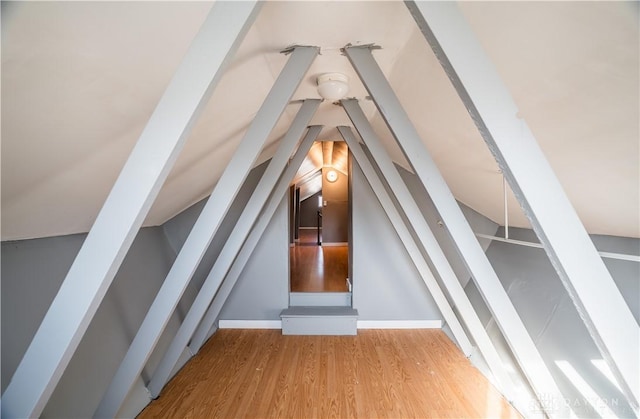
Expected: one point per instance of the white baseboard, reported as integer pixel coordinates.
(327, 244)
(309, 228)
(399, 324)
(362, 324)
(250, 324)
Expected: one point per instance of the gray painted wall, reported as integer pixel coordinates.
(335, 210)
(386, 284)
(32, 272)
(309, 211)
(335, 213)
(386, 287)
(262, 291)
(335, 222)
(479, 224)
(550, 316)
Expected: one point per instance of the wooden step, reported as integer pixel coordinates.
(315, 320)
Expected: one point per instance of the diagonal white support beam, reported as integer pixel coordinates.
(407, 239)
(232, 246)
(594, 293)
(488, 283)
(204, 230)
(430, 245)
(125, 209)
(261, 224)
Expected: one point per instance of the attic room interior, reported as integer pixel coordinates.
(157, 159)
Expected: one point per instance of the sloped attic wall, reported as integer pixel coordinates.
(386, 283)
(386, 287)
(33, 270)
(551, 318)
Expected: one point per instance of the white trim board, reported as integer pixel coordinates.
(399, 324)
(362, 324)
(620, 256)
(249, 324)
(329, 244)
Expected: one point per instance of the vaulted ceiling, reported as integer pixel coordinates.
(80, 80)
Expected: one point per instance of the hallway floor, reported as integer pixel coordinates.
(316, 268)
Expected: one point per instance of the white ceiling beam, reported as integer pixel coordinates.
(482, 272)
(204, 229)
(208, 322)
(233, 244)
(308, 177)
(406, 238)
(327, 153)
(429, 243)
(125, 208)
(593, 291)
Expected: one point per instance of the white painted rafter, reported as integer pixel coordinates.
(595, 295)
(204, 229)
(232, 245)
(407, 239)
(125, 209)
(482, 272)
(207, 323)
(425, 236)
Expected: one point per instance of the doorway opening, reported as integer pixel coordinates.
(320, 221)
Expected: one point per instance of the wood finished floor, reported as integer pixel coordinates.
(377, 374)
(316, 268)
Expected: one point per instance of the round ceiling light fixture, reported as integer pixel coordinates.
(333, 86)
(332, 176)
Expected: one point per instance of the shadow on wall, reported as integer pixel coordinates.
(553, 321)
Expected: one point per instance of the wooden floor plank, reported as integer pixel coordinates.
(316, 268)
(378, 373)
(319, 269)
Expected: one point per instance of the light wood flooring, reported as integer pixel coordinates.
(316, 268)
(377, 374)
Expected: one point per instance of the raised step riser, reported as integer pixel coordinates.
(328, 326)
(314, 320)
(342, 299)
